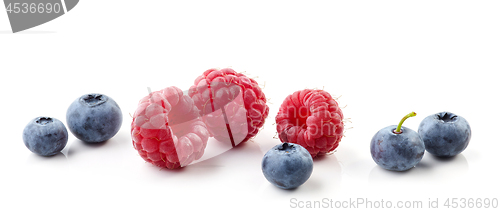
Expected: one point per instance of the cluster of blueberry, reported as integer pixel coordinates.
(91, 118)
(398, 148)
(394, 148)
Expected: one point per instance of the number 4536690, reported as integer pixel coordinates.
(471, 203)
(33, 8)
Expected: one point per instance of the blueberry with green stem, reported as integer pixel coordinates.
(445, 134)
(397, 148)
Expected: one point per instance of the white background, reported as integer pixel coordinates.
(384, 58)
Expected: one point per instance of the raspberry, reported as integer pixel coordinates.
(167, 130)
(232, 105)
(312, 119)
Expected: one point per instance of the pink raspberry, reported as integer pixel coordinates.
(167, 130)
(312, 119)
(232, 105)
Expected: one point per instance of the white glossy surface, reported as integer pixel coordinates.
(386, 58)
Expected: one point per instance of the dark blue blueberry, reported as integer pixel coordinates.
(445, 134)
(287, 165)
(45, 136)
(94, 118)
(397, 152)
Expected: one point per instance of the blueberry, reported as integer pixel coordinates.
(45, 136)
(397, 148)
(287, 165)
(397, 152)
(445, 134)
(94, 118)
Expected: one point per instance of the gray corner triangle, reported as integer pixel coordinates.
(70, 4)
(26, 18)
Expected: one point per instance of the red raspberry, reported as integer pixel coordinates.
(312, 119)
(232, 105)
(167, 129)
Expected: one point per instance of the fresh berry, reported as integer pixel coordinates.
(445, 134)
(287, 165)
(232, 105)
(94, 118)
(167, 130)
(311, 118)
(397, 148)
(45, 136)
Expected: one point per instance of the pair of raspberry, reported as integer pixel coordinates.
(170, 129)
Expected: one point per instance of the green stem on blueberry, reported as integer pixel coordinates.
(398, 129)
